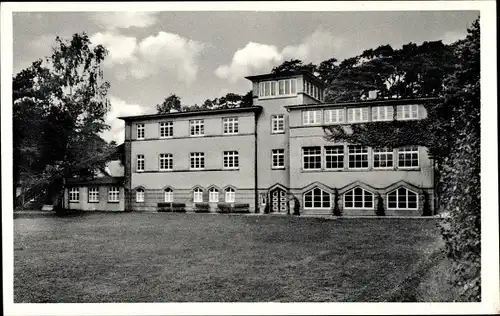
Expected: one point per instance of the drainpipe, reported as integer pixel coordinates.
(256, 195)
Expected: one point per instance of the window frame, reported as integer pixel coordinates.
(407, 108)
(417, 152)
(361, 112)
(112, 193)
(142, 128)
(320, 155)
(201, 160)
(92, 196)
(354, 199)
(388, 111)
(140, 159)
(198, 193)
(229, 192)
(329, 116)
(316, 114)
(322, 201)
(196, 125)
(170, 193)
(168, 128)
(277, 152)
(230, 156)
(168, 160)
(74, 197)
(276, 119)
(140, 195)
(213, 195)
(335, 154)
(397, 199)
(232, 124)
(381, 152)
(354, 154)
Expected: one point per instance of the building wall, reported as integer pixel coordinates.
(102, 205)
(181, 179)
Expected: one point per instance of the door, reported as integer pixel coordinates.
(279, 201)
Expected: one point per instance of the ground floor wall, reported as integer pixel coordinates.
(103, 203)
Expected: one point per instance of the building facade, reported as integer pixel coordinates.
(275, 153)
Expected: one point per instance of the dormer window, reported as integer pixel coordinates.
(284, 87)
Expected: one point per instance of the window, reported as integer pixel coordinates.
(230, 125)
(407, 112)
(358, 157)
(311, 117)
(166, 162)
(277, 88)
(230, 195)
(334, 157)
(197, 160)
(358, 198)
(334, 116)
(357, 115)
(311, 158)
(198, 195)
(317, 198)
(140, 131)
(231, 160)
(197, 127)
(93, 195)
(278, 158)
(382, 113)
(402, 198)
(74, 195)
(114, 194)
(408, 157)
(140, 163)
(383, 158)
(166, 129)
(139, 195)
(213, 195)
(278, 123)
(168, 195)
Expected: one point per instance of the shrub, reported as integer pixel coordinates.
(224, 208)
(266, 208)
(296, 209)
(171, 207)
(427, 207)
(380, 211)
(202, 208)
(336, 208)
(240, 208)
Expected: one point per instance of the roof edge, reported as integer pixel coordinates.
(365, 102)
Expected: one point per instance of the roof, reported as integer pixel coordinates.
(95, 181)
(365, 102)
(253, 108)
(306, 73)
(115, 168)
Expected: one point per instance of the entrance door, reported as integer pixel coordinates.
(279, 201)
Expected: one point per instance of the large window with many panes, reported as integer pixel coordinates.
(277, 123)
(197, 127)
(334, 116)
(383, 158)
(284, 87)
(402, 199)
(358, 157)
(311, 158)
(166, 129)
(93, 194)
(140, 131)
(408, 157)
(230, 195)
(114, 194)
(358, 198)
(166, 162)
(140, 163)
(74, 194)
(231, 160)
(278, 158)
(334, 157)
(357, 115)
(213, 195)
(317, 198)
(407, 112)
(197, 161)
(230, 125)
(311, 117)
(382, 113)
(197, 195)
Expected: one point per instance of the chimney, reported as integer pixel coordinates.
(372, 94)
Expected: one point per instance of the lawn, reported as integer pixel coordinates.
(162, 257)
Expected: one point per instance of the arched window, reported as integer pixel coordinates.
(168, 195)
(402, 199)
(139, 195)
(213, 195)
(198, 195)
(230, 195)
(317, 198)
(358, 198)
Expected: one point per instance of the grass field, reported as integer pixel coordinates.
(162, 257)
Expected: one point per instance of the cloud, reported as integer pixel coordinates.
(162, 53)
(256, 57)
(453, 36)
(124, 20)
(119, 108)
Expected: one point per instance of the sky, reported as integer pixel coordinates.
(203, 55)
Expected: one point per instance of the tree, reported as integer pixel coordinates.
(336, 208)
(293, 65)
(59, 104)
(380, 211)
(172, 102)
(247, 99)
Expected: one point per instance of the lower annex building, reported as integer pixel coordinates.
(273, 153)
